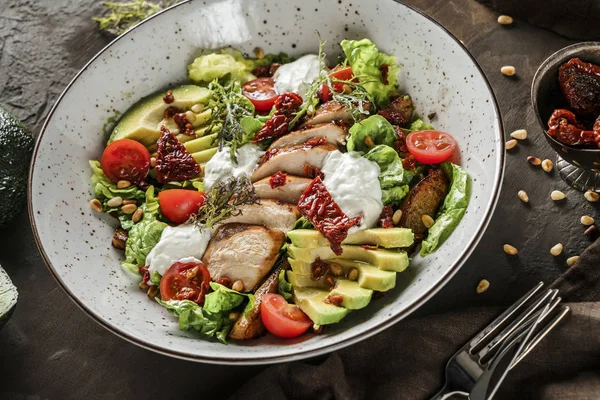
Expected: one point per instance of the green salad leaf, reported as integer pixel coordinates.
(376, 127)
(420, 125)
(155, 278)
(211, 320)
(284, 288)
(303, 223)
(393, 178)
(251, 63)
(366, 60)
(209, 67)
(452, 211)
(105, 189)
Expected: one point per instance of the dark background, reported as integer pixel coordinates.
(51, 349)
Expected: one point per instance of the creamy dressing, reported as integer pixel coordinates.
(221, 166)
(297, 76)
(353, 182)
(184, 243)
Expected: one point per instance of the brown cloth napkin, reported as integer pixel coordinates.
(407, 361)
(574, 19)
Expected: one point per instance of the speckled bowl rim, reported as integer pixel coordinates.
(301, 354)
(535, 87)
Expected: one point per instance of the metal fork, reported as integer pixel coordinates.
(480, 366)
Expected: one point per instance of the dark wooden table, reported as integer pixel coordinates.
(51, 350)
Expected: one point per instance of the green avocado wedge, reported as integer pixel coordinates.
(8, 297)
(388, 238)
(312, 302)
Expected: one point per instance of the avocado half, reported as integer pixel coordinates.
(8, 297)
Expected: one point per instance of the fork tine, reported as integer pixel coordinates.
(495, 324)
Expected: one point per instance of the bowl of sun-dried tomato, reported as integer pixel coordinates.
(565, 95)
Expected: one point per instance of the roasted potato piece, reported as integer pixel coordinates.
(425, 198)
(119, 238)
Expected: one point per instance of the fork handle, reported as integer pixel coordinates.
(444, 394)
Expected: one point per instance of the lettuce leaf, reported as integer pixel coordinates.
(376, 127)
(211, 320)
(366, 60)
(393, 178)
(452, 211)
(303, 223)
(284, 288)
(251, 63)
(420, 125)
(105, 189)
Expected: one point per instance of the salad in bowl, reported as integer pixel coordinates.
(271, 194)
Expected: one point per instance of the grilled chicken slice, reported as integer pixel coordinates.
(333, 133)
(424, 198)
(288, 193)
(243, 252)
(268, 213)
(250, 325)
(293, 160)
(329, 112)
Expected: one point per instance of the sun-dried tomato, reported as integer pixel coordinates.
(384, 69)
(409, 162)
(335, 300)
(318, 269)
(565, 128)
(266, 71)
(171, 111)
(184, 125)
(173, 161)
(580, 84)
(286, 105)
(168, 98)
(312, 172)
(318, 206)
(385, 219)
(143, 270)
(225, 281)
(277, 179)
(400, 143)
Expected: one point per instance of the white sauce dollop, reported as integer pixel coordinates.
(220, 165)
(297, 76)
(184, 243)
(353, 182)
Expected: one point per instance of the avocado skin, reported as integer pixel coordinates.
(16, 147)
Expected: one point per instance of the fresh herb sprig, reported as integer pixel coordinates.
(121, 16)
(224, 200)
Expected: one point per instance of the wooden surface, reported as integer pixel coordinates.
(51, 350)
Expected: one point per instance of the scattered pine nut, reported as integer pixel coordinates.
(427, 221)
(547, 165)
(572, 260)
(234, 316)
(505, 20)
(510, 144)
(129, 208)
(353, 274)
(114, 202)
(197, 108)
(153, 162)
(591, 196)
(259, 53)
(238, 286)
(369, 142)
(123, 184)
(508, 70)
(137, 215)
(534, 161)
(129, 201)
(336, 269)
(556, 249)
(483, 285)
(523, 196)
(143, 285)
(190, 116)
(520, 134)
(510, 250)
(397, 217)
(96, 205)
(587, 220)
(557, 195)
(152, 291)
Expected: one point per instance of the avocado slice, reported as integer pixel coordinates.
(312, 302)
(305, 281)
(388, 238)
(354, 297)
(387, 260)
(204, 155)
(141, 121)
(201, 143)
(8, 297)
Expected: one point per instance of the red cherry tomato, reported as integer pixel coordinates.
(283, 319)
(126, 159)
(179, 204)
(430, 147)
(185, 281)
(341, 73)
(261, 92)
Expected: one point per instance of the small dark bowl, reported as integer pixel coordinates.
(546, 97)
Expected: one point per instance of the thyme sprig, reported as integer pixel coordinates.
(121, 16)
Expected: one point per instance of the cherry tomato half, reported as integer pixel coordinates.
(179, 204)
(126, 159)
(430, 147)
(283, 319)
(261, 92)
(185, 281)
(341, 73)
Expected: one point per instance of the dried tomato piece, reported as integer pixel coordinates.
(286, 105)
(171, 111)
(409, 162)
(143, 270)
(564, 127)
(319, 269)
(400, 144)
(335, 300)
(168, 98)
(312, 172)
(597, 131)
(385, 219)
(277, 179)
(173, 161)
(184, 125)
(266, 71)
(384, 69)
(580, 84)
(318, 206)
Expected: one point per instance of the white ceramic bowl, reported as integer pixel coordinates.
(438, 72)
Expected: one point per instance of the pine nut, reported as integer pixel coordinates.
(397, 217)
(336, 269)
(190, 116)
(547, 165)
(197, 108)
(520, 134)
(234, 316)
(505, 20)
(346, 88)
(572, 260)
(353, 274)
(557, 195)
(129, 201)
(482, 286)
(534, 161)
(510, 144)
(137, 215)
(96, 205)
(152, 291)
(591, 196)
(508, 70)
(510, 250)
(114, 202)
(259, 53)
(369, 142)
(587, 220)
(238, 286)
(556, 249)
(427, 221)
(129, 208)
(123, 184)
(153, 162)
(523, 196)
(143, 285)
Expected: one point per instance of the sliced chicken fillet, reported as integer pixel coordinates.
(288, 193)
(268, 213)
(333, 133)
(329, 112)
